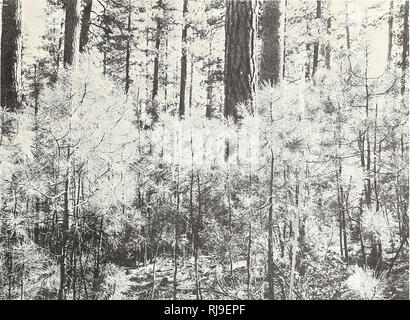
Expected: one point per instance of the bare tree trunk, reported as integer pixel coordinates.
(296, 234)
(209, 88)
(328, 47)
(85, 24)
(197, 242)
(156, 59)
(230, 229)
(248, 259)
(271, 294)
(347, 32)
(308, 56)
(96, 273)
(11, 46)
(240, 76)
(343, 212)
(106, 39)
(65, 232)
(405, 53)
(191, 81)
(71, 51)
(176, 237)
(271, 65)
(316, 44)
(183, 62)
(166, 72)
(72, 32)
(390, 39)
(284, 39)
(128, 51)
(153, 272)
(367, 135)
(240, 66)
(339, 211)
(375, 171)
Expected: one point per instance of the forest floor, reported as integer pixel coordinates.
(137, 283)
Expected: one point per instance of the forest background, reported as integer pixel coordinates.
(206, 149)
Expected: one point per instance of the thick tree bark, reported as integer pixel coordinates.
(271, 63)
(183, 63)
(405, 52)
(240, 56)
(72, 32)
(11, 45)
(85, 24)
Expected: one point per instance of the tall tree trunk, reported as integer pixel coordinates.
(228, 194)
(328, 48)
(343, 216)
(271, 70)
(375, 171)
(284, 39)
(156, 59)
(248, 260)
(183, 62)
(271, 65)
(128, 52)
(347, 26)
(191, 82)
(58, 57)
(71, 51)
(405, 53)
(296, 234)
(209, 88)
(270, 234)
(96, 271)
(176, 239)
(85, 24)
(316, 44)
(65, 233)
(106, 40)
(197, 241)
(72, 33)
(367, 134)
(166, 72)
(11, 46)
(240, 56)
(390, 35)
(308, 56)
